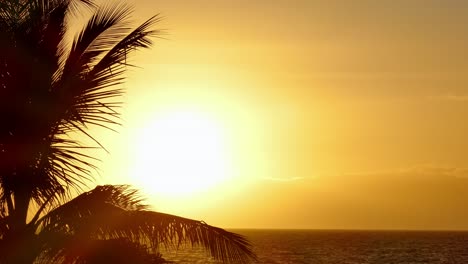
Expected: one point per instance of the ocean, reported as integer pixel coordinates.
(347, 247)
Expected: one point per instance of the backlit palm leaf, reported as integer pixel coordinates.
(116, 212)
(31, 34)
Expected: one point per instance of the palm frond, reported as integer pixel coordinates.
(94, 68)
(23, 11)
(106, 213)
(29, 112)
(46, 6)
(77, 102)
(62, 168)
(102, 31)
(138, 38)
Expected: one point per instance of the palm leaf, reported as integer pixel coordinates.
(29, 112)
(102, 31)
(113, 212)
(95, 99)
(80, 102)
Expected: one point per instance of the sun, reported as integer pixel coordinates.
(180, 153)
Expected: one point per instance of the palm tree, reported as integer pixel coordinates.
(49, 91)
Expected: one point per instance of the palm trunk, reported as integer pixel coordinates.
(19, 243)
(20, 247)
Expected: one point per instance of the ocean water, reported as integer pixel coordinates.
(347, 247)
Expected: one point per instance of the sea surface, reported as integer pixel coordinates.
(347, 247)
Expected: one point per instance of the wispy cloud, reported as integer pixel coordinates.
(415, 173)
(283, 179)
(456, 98)
(430, 170)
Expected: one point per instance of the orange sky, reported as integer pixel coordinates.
(331, 114)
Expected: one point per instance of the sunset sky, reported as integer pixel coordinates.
(300, 114)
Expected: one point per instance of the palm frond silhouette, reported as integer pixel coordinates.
(50, 89)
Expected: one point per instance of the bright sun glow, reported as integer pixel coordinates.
(180, 153)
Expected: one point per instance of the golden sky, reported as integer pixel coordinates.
(300, 114)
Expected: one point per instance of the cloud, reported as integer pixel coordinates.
(276, 179)
(438, 171)
(420, 172)
(453, 98)
(419, 197)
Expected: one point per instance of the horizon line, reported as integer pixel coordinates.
(348, 229)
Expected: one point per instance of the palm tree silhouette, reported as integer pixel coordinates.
(50, 90)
